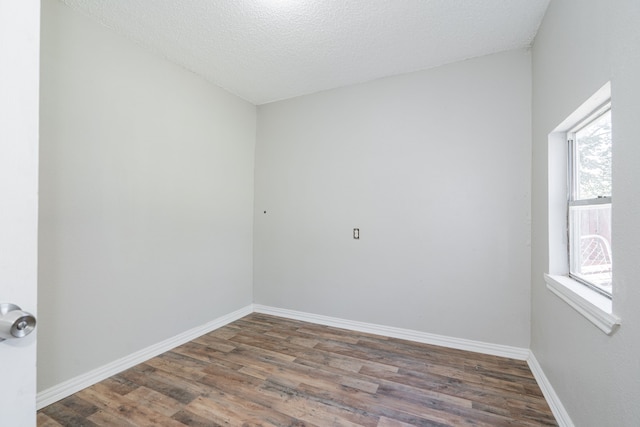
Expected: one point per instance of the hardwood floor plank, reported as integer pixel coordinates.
(224, 414)
(213, 342)
(303, 342)
(79, 405)
(299, 404)
(387, 422)
(278, 371)
(179, 364)
(120, 385)
(324, 333)
(155, 401)
(375, 406)
(263, 370)
(126, 408)
(243, 410)
(106, 418)
(44, 420)
(161, 382)
(66, 416)
(190, 419)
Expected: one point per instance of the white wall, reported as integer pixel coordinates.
(580, 46)
(146, 198)
(434, 168)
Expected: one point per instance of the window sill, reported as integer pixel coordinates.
(595, 307)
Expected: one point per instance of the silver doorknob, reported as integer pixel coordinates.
(15, 323)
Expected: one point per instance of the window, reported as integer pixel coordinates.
(580, 258)
(589, 201)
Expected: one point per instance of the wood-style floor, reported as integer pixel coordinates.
(268, 371)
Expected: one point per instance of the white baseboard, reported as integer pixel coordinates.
(67, 388)
(561, 414)
(406, 334)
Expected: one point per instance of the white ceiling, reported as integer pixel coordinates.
(267, 50)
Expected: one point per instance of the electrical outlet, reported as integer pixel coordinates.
(356, 233)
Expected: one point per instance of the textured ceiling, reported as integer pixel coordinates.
(267, 50)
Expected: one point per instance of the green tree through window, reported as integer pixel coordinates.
(593, 149)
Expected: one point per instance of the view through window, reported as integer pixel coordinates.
(589, 210)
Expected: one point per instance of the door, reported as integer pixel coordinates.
(19, 82)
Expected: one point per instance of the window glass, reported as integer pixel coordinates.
(590, 231)
(593, 163)
(589, 218)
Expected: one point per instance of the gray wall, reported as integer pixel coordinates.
(434, 168)
(146, 193)
(580, 46)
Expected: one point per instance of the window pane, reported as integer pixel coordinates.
(593, 152)
(590, 253)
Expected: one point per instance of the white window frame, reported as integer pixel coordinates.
(593, 305)
(572, 190)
